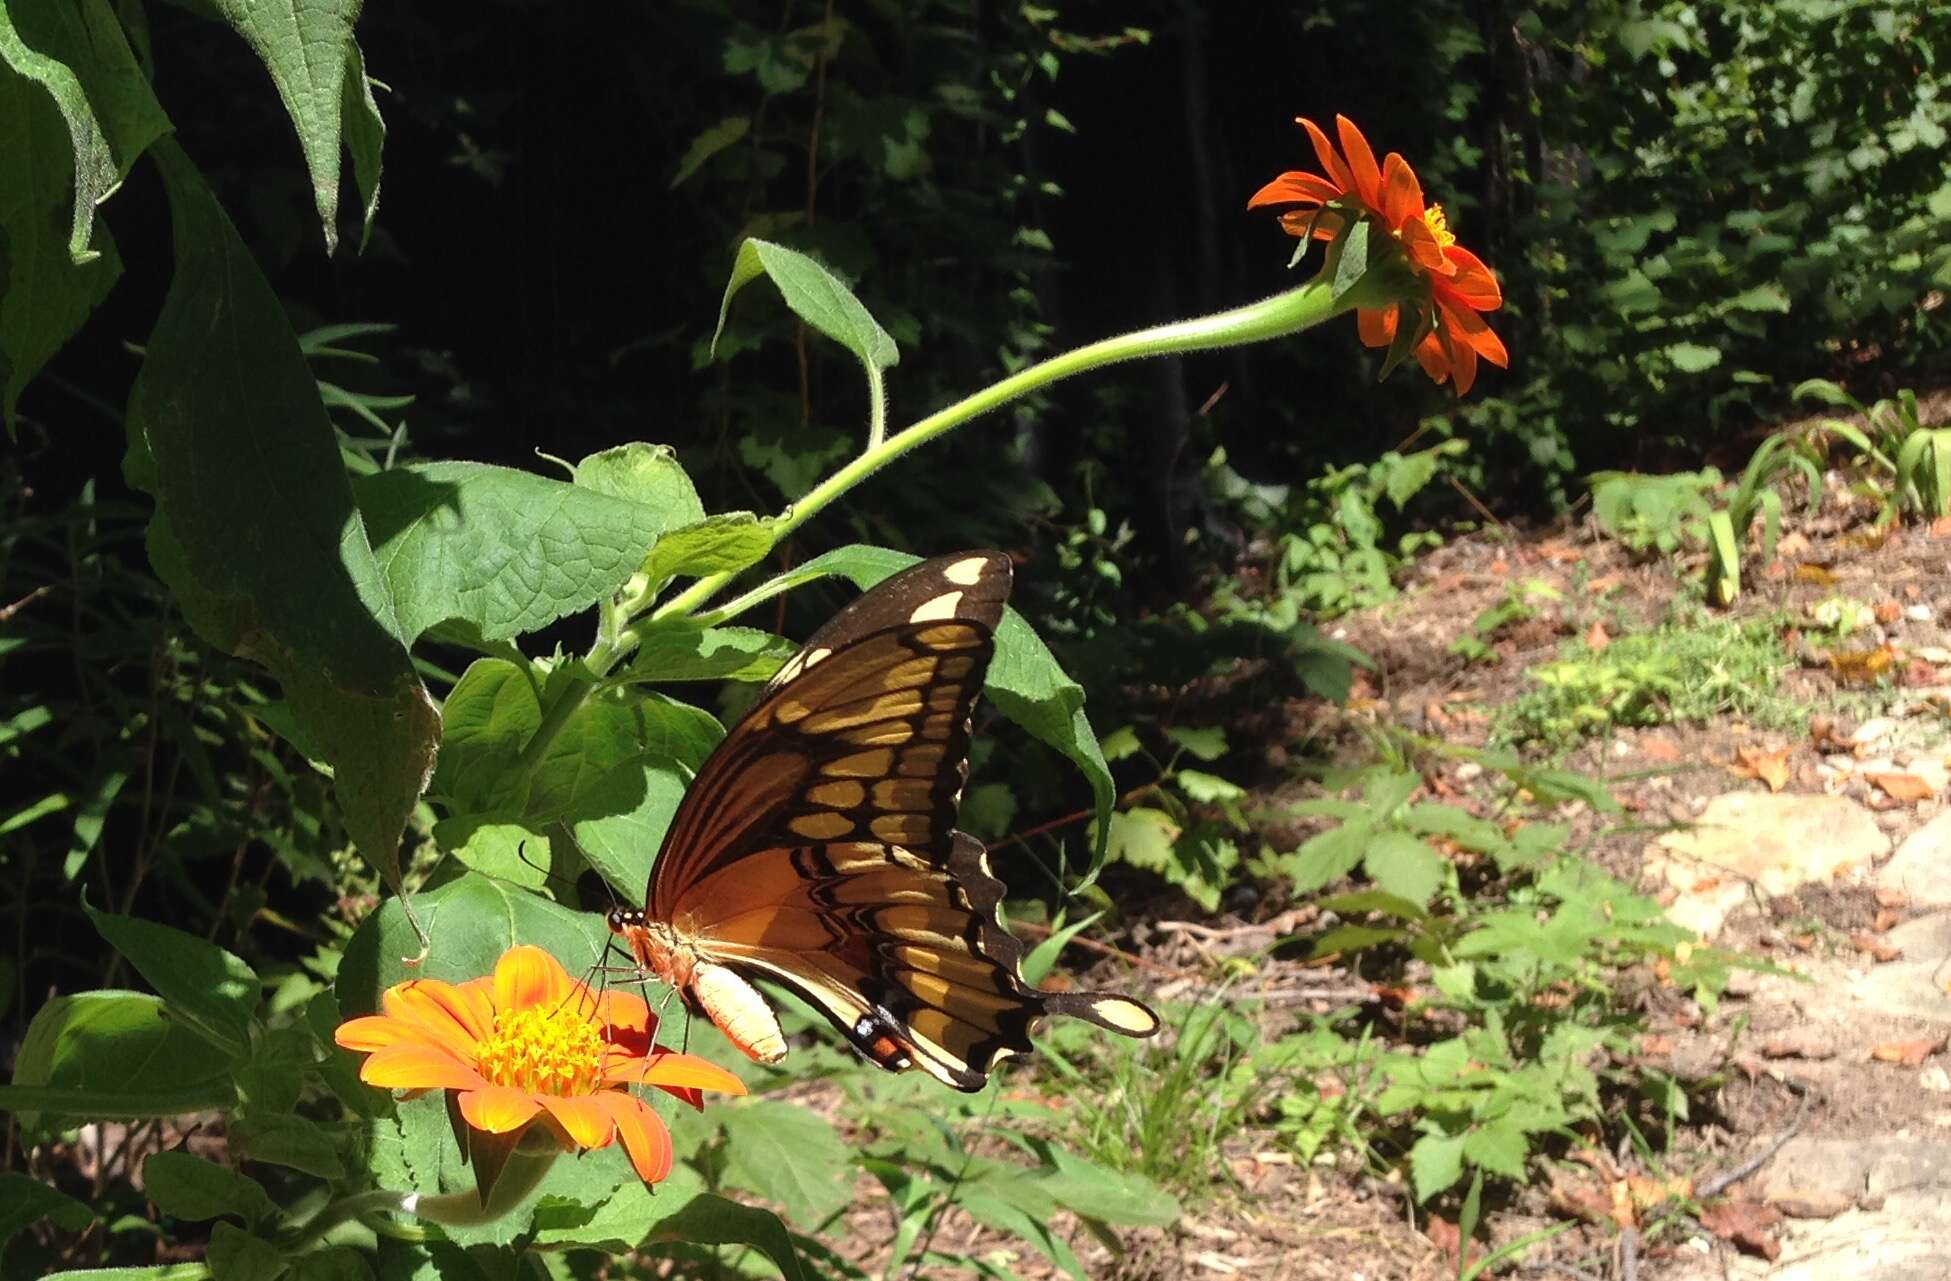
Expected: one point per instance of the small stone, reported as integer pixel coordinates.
(1918, 613)
(1920, 870)
(1934, 1079)
(1812, 1204)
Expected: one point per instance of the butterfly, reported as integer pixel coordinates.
(816, 848)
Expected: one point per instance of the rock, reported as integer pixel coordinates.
(1758, 845)
(1921, 868)
(1812, 1205)
(1912, 987)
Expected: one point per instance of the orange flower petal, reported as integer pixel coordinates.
(1361, 163)
(1424, 249)
(376, 1031)
(1376, 325)
(1294, 187)
(1463, 365)
(1402, 195)
(1434, 358)
(623, 1011)
(644, 1135)
(666, 1070)
(497, 1109)
(1472, 330)
(1325, 151)
(582, 1118)
(418, 1067)
(1326, 223)
(1473, 285)
(442, 1010)
(526, 976)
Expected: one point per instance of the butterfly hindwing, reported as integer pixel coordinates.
(816, 847)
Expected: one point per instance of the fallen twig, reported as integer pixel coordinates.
(1721, 1183)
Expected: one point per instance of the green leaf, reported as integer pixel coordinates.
(285, 1139)
(721, 544)
(1723, 560)
(1352, 264)
(25, 1201)
(307, 47)
(1691, 357)
(1209, 788)
(1436, 1162)
(1094, 1192)
(1403, 866)
(1206, 742)
(210, 989)
(112, 1055)
(646, 474)
(1024, 680)
(1326, 856)
(816, 296)
(707, 1219)
(789, 1155)
(489, 716)
(1498, 1147)
(622, 819)
(333, 1263)
(365, 137)
(77, 53)
(236, 1255)
(506, 550)
(679, 650)
(48, 289)
(708, 144)
(227, 431)
(1143, 837)
(189, 1187)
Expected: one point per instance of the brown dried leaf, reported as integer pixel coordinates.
(1800, 1043)
(1905, 787)
(1596, 637)
(1746, 1224)
(1887, 611)
(1578, 1199)
(1886, 919)
(1878, 950)
(1908, 1053)
(1657, 747)
(1892, 898)
(1770, 767)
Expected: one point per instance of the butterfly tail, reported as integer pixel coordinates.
(1108, 1010)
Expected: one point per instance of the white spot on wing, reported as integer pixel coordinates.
(966, 572)
(943, 606)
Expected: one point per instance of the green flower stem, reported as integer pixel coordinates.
(519, 1177)
(1276, 317)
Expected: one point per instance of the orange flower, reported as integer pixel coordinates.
(1459, 286)
(532, 1046)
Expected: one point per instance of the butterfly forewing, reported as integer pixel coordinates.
(817, 848)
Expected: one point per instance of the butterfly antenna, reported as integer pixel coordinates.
(947, 1203)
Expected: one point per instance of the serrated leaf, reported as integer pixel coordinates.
(77, 54)
(507, 551)
(708, 1219)
(307, 47)
(678, 650)
(1499, 1148)
(285, 1139)
(1206, 742)
(1404, 866)
(487, 718)
(227, 432)
(646, 474)
(1326, 856)
(1208, 788)
(1143, 837)
(622, 818)
(207, 987)
(1436, 1163)
(788, 1155)
(722, 544)
(816, 296)
(1094, 1192)
(189, 1187)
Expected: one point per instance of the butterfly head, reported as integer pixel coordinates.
(656, 947)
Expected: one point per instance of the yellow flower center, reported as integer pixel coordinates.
(1439, 226)
(545, 1051)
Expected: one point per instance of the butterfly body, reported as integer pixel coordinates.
(816, 848)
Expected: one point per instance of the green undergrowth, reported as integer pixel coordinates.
(1689, 669)
(1487, 983)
